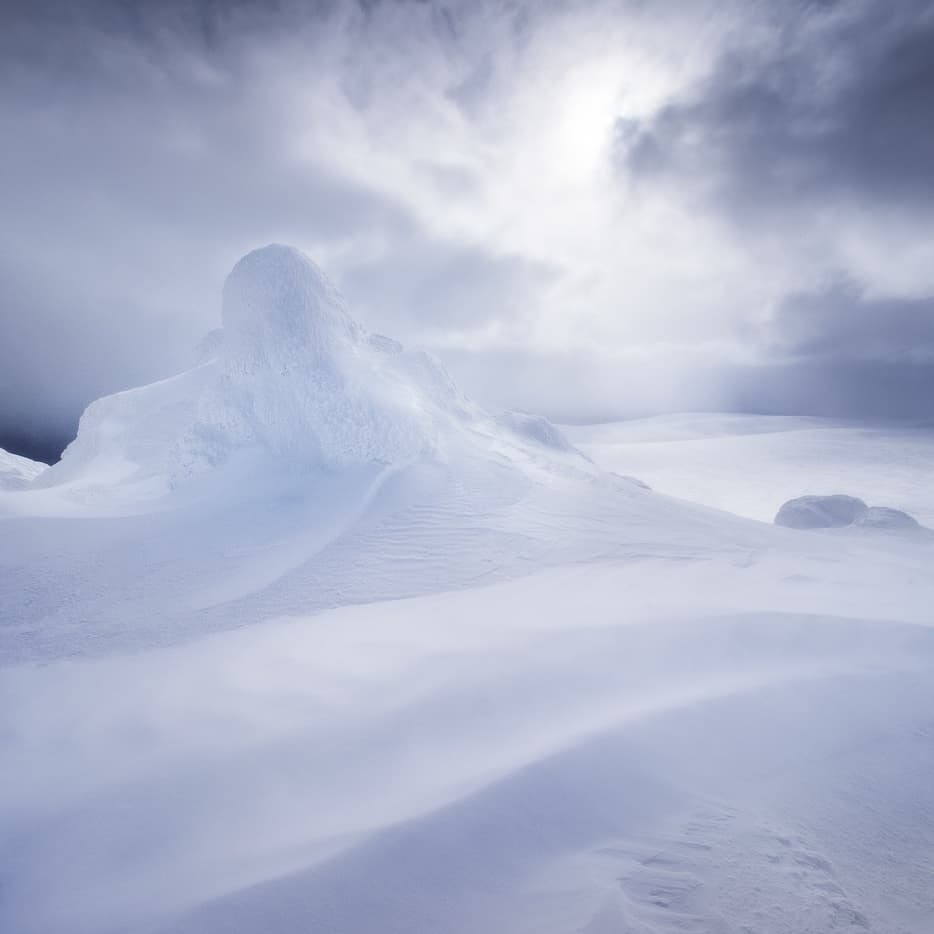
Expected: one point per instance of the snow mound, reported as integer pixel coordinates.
(820, 512)
(826, 512)
(17, 472)
(290, 380)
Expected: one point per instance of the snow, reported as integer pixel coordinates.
(291, 379)
(751, 464)
(17, 472)
(298, 378)
(820, 512)
(883, 517)
(536, 428)
(302, 639)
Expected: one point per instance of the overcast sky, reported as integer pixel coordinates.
(586, 209)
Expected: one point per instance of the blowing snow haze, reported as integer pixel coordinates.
(585, 209)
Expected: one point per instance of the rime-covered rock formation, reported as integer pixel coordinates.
(820, 512)
(838, 511)
(291, 382)
(299, 378)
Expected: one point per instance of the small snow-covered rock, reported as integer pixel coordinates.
(882, 517)
(828, 512)
(820, 512)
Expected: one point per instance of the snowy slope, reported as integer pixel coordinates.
(303, 640)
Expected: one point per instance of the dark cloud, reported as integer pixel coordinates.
(847, 389)
(840, 323)
(836, 103)
(60, 350)
(838, 352)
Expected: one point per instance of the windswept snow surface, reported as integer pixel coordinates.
(302, 640)
(751, 464)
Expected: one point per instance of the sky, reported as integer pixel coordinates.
(586, 209)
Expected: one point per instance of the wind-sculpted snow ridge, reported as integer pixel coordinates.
(17, 472)
(290, 384)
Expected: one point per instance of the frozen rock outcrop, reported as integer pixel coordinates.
(299, 378)
(290, 384)
(291, 381)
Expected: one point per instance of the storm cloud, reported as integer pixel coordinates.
(837, 352)
(815, 142)
(590, 209)
(835, 104)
